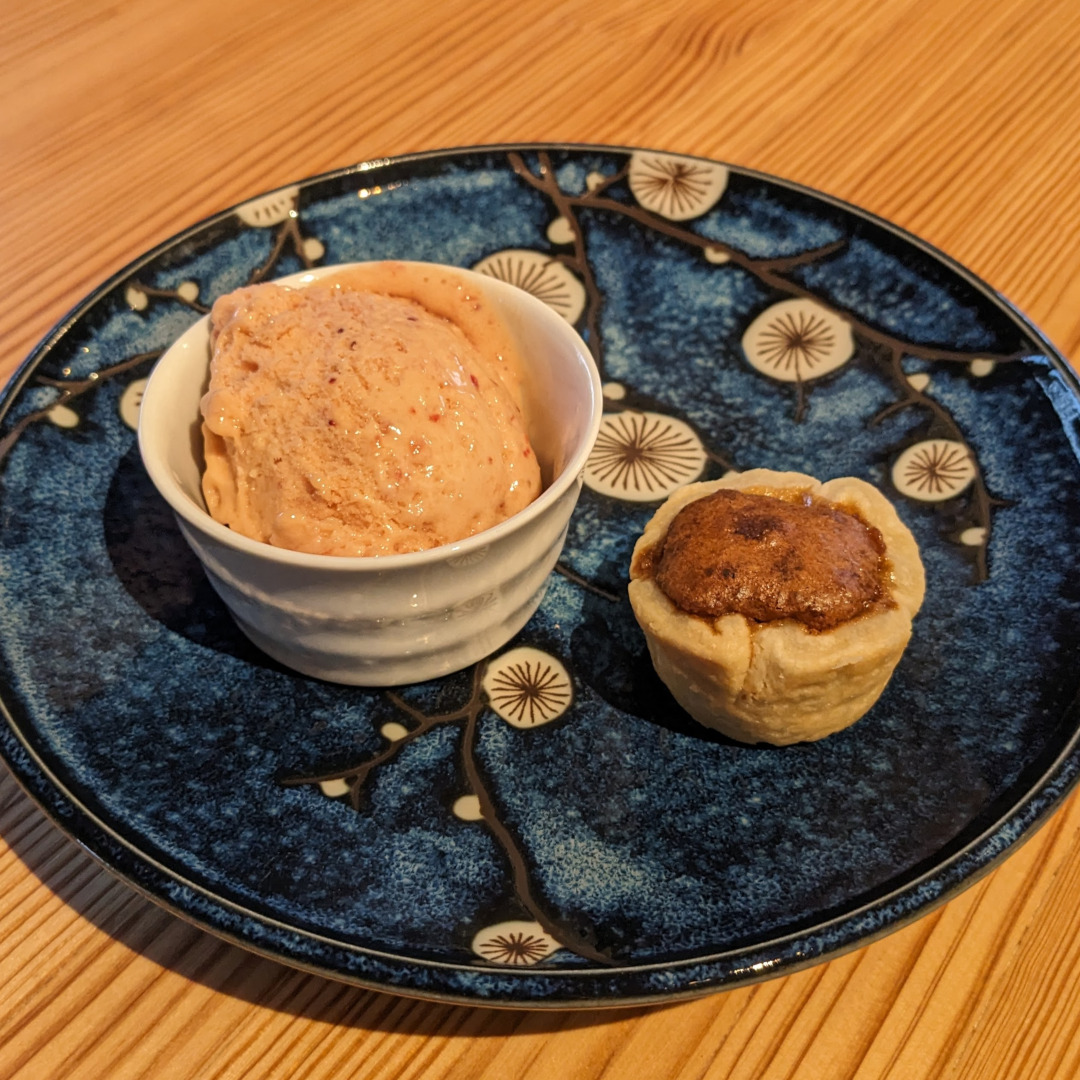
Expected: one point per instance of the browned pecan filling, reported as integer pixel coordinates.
(770, 558)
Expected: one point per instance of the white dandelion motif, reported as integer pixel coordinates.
(798, 340)
(678, 188)
(516, 943)
(540, 275)
(528, 687)
(933, 470)
(271, 209)
(643, 456)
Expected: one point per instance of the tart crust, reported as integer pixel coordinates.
(779, 682)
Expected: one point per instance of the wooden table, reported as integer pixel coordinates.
(123, 122)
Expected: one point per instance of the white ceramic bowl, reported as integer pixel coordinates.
(390, 619)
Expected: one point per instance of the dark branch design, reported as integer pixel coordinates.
(356, 778)
(804, 343)
(981, 502)
(567, 205)
(151, 292)
(768, 271)
(69, 390)
(584, 583)
(287, 233)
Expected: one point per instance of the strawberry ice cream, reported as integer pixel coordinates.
(375, 412)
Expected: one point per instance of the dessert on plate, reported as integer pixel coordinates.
(775, 606)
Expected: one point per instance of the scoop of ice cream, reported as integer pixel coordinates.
(342, 420)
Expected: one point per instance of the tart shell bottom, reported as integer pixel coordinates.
(779, 682)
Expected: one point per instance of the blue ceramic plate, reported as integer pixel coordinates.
(628, 855)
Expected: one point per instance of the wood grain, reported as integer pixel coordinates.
(124, 122)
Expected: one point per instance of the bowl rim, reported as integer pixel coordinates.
(169, 488)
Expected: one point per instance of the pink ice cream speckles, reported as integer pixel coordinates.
(374, 413)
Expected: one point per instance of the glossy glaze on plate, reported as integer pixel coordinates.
(549, 828)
